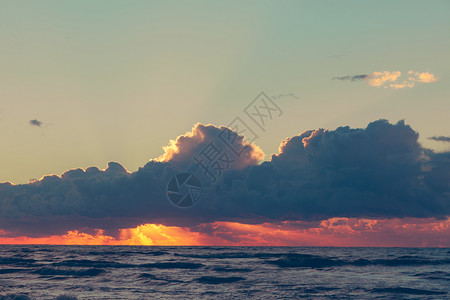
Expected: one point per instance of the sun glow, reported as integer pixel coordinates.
(409, 232)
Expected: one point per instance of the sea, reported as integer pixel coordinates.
(154, 272)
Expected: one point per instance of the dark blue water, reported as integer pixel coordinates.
(138, 272)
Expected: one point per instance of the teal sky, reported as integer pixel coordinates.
(115, 80)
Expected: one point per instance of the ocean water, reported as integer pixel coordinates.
(139, 272)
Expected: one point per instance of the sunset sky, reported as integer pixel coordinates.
(357, 152)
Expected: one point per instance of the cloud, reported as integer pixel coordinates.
(404, 84)
(182, 151)
(392, 79)
(379, 79)
(380, 171)
(426, 77)
(338, 232)
(36, 123)
(352, 78)
(440, 138)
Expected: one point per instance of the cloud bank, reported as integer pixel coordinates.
(380, 171)
(338, 232)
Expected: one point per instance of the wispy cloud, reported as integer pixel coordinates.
(392, 79)
(352, 78)
(36, 122)
(440, 138)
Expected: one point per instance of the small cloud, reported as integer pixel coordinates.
(426, 77)
(440, 138)
(404, 84)
(290, 95)
(392, 79)
(36, 123)
(352, 78)
(379, 79)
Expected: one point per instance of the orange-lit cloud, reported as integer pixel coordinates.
(408, 232)
(392, 79)
(426, 77)
(70, 238)
(382, 78)
(152, 234)
(307, 140)
(184, 148)
(404, 84)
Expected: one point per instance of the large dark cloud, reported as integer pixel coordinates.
(380, 171)
(377, 172)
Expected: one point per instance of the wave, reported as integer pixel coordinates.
(222, 269)
(25, 297)
(318, 289)
(15, 297)
(149, 276)
(402, 290)
(172, 265)
(92, 264)
(207, 272)
(400, 261)
(218, 280)
(305, 261)
(8, 260)
(9, 271)
(65, 272)
(438, 275)
(156, 278)
(66, 297)
(111, 264)
(227, 255)
(314, 261)
(127, 253)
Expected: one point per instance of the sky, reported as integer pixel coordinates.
(85, 83)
